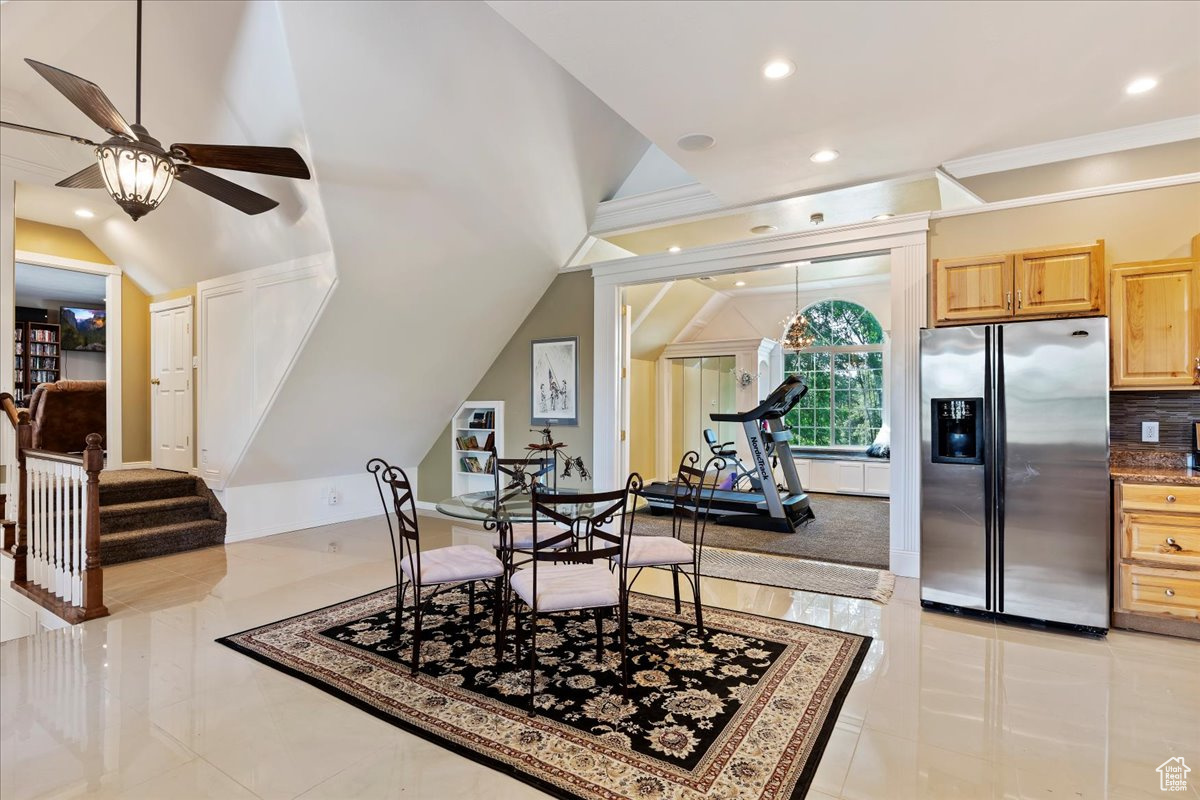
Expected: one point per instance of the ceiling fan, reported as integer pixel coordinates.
(134, 167)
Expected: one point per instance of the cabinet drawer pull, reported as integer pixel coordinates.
(1170, 498)
(1008, 305)
(1169, 592)
(1018, 298)
(1171, 543)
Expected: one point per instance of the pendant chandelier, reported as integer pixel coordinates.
(797, 334)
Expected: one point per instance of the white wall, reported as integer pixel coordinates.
(758, 315)
(250, 327)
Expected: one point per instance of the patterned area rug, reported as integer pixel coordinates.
(798, 573)
(743, 711)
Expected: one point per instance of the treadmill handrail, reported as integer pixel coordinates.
(778, 403)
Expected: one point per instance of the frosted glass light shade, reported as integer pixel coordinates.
(137, 178)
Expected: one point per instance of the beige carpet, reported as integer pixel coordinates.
(847, 530)
(799, 573)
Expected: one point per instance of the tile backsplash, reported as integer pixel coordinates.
(1174, 412)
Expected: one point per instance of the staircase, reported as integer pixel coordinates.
(148, 512)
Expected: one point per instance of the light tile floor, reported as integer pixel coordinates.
(143, 704)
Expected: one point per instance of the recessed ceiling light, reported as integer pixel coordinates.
(84, 213)
(823, 156)
(696, 141)
(674, 248)
(778, 68)
(882, 216)
(739, 283)
(763, 229)
(1141, 85)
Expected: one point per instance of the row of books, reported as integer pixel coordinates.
(41, 335)
(471, 464)
(482, 419)
(472, 442)
(41, 350)
(41, 363)
(43, 376)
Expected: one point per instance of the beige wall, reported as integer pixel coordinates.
(564, 310)
(54, 240)
(643, 395)
(1142, 163)
(135, 372)
(1137, 226)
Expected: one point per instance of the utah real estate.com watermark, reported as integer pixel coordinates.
(1173, 775)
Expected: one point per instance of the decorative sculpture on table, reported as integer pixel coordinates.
(547, 448)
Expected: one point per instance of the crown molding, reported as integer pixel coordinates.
(1093, 144)
(1073, 194)
(652, 208)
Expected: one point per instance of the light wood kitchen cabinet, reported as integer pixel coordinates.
(1063, 281)
(1157, 547)
(1031, 284)
(1155, 324)
(972, 289)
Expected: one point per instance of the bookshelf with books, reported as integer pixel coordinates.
(476, 430)
(37, 357)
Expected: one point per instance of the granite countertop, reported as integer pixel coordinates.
(1152, 466)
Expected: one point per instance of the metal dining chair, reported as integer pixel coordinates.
(690, 506)
(580, 579)
(514, 476)
(439, 570)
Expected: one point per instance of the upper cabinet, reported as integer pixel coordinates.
(1156, 324)
(1033, 284)
(971, 289)
(1065, 281)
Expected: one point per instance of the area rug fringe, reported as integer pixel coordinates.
(822, 577)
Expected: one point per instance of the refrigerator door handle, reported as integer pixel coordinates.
(1000, 466)
(989, 476)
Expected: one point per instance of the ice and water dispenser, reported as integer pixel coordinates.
(958, 430)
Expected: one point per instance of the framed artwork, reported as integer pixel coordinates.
(554, 381)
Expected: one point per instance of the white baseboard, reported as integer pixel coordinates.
(134, 465)
(905, 563)
(271, 508)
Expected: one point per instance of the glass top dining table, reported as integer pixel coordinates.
(516, 507)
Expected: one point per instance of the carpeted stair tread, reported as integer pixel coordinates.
(161, 540)
(133, 491)
(152, 513)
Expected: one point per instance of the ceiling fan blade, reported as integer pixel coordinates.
(283, 161)
(87, 178)
(241, 198)
(87, 97)
(44, 132)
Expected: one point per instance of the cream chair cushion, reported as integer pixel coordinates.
(646, 551)
(561, 587)
(460, 562)
(522, 535)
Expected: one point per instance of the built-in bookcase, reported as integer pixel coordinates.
(37, 357)
(477, 424)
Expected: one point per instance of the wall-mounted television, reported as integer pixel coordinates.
(82, 328)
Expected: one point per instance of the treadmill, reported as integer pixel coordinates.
(769, 509)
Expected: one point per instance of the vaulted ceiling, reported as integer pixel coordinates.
(896, 87)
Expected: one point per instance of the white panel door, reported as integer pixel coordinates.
(171, 384)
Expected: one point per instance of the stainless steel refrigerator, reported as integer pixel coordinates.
(1014, 471)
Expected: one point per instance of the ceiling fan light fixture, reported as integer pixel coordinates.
(137, 176)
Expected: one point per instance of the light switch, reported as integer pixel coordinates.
(1149, 431)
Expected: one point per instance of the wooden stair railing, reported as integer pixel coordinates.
(55, 546)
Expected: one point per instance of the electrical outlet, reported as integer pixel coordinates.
(1149, 431)
(333, 497)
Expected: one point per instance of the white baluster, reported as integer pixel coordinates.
(39, 546)
(80, 516)
(60, 572)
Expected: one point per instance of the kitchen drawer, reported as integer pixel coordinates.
(1160, 497)
(1170, 539)
(1160, 591)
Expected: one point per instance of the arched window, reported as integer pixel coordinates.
(844, 372)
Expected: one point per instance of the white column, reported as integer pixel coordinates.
(606, 388)
(908, 316)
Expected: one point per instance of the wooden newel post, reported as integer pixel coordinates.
(92, 576)
(21, 546)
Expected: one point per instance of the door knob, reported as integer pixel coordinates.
(155, 381)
